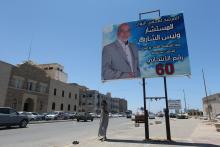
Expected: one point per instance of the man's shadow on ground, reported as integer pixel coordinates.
(162, 142)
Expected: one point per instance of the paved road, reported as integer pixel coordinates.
(63, 133)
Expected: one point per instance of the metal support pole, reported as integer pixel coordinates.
(167, 111)
(145, 113)
(184, 96)
(144, 91)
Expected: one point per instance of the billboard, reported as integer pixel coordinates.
(145, 48)
(174, 104)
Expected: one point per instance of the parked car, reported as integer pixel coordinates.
(133, 117)
(84, 116)
(43, 116)
(38, 116)
(10, 117)
(66, 115)
(217, 116)
(31, 117)
(110, 115)
(51, 116)
(172, 115)
(72, 115)
(151, 116)
(94, 115)
(182, 116)
(204, 118)
(115, 115)
(56, 115)
(99, 115)
(160, 115)
(128, 115)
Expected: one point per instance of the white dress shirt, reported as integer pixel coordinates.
(127, 52)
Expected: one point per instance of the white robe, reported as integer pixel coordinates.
(103, 123)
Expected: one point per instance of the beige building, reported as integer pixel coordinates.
(55, 71)
(90, 101)
(122, 105)
(29, 87)
(211, 103)
(5, 73)
(63, 97)
(115, 105)
(44, 88)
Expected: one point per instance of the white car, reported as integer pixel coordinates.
(51, 116)
(217, 116)
(30, 115)
(151, 116)
(182, 116)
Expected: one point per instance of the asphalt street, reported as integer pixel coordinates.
(62, 134)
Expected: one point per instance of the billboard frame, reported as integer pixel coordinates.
(165, 92)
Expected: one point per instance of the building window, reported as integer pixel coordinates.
(75, 96)
(53, 106)
(63, 93)
(50, 68)
(74, 107)
(18, 83)
(42, 88)
(30, 86)
(61, 107)
(70, 95)
(69, 107)
(55, 91)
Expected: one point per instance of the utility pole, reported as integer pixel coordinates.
(184, 96)
(204, 82)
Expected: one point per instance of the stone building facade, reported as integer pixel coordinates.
(39, 88)
(63, 97)
(28, 87)
(122, 105)
(90, 101)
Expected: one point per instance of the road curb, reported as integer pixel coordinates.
(49, 121)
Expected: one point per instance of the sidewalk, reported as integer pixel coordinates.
(206, 133)
(203, 136)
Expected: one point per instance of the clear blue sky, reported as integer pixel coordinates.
(70, 33)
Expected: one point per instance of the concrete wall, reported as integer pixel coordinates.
(214, 103)
(5, 72)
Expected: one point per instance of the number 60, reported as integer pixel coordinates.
(167, 68)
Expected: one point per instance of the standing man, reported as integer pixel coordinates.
(103, 121)
(120, 58)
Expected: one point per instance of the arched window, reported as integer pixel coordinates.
(69, 107)
(61, 107)
(53, 106)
